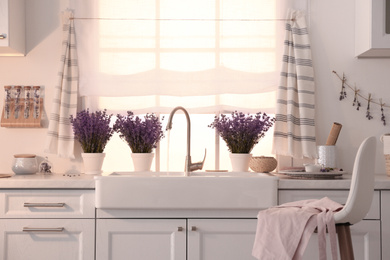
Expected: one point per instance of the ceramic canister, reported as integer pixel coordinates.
(25, 164)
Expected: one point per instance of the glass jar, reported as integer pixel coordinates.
(45, 167)
(27, 100)
(17, 95)
(36, 101)
(7, 101)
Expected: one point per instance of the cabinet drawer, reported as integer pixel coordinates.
(339, 196)
(47, 239)
(47, 204)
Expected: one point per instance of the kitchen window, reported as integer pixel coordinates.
(209, 56)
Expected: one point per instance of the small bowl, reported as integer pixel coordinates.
(25, 164)
(263, 164)
(312, 167)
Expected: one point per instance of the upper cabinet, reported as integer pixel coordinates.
(12, 27)
(372, 31)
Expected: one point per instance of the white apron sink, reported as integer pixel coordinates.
(174, 190)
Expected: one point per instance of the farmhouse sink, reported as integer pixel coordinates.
(174, 190)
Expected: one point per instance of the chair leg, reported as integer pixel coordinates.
(345, 242)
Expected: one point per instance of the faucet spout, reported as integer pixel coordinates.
(189, 166)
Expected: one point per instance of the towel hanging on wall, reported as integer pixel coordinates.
(294, 133)
(60, 138)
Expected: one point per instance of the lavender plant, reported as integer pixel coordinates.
(242, 132)
(141, 135)
(92, 130)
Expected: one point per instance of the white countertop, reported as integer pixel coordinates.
(382, 182)
(52, 181)
(83, 181)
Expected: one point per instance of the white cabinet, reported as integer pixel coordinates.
(371, 38)
(366, 235)
(12, 27)
(122, 239)
(214, 239)
(47, 239)
(179, 239)
(385, 200)
(47, 224)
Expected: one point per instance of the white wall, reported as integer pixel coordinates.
(332, 34)
(39, 67)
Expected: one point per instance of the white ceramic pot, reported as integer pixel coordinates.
(327, 156)
(240, 161)
(142, 161)
(93, 162)
(25, 164)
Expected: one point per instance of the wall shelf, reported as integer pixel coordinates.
(21, 121)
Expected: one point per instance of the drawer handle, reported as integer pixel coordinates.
(46, 205)
(180, 229)
(194, 228)
(3, 36)
(28, 229)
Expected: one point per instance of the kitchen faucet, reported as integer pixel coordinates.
(189, 166)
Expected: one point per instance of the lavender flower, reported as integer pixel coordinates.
(141, 135)
(92, 130)
(242, 132)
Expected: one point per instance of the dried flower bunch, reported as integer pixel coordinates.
(92, 130)
(357, 97)
(141, 135)
(242, 132)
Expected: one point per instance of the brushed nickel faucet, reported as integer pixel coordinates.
(189, 166)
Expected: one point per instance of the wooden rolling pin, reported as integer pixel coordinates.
(334, 134)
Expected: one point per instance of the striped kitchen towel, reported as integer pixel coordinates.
(294, 130)
(60, 138)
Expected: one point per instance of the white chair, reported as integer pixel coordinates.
(359, 198)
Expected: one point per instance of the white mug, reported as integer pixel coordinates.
(327, 155)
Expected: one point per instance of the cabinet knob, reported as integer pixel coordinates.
(179, 229)
(193, 228)
(3, 36)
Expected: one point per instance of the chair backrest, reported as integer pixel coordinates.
(362, 185)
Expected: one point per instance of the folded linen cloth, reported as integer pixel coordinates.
(283, 232)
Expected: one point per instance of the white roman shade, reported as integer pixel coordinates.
(153, 55)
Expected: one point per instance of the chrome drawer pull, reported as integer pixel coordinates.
(3, 36)
(46, 205)
(27, 229)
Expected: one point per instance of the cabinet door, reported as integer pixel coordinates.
(385, 201)
(12, 27)
(365, 239)
(136, 239)
(3, 23)
(47, 239)
(227, 239)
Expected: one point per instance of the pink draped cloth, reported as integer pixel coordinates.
(283, 232)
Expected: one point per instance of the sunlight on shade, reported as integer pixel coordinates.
(254, 103)
(187, 61)
(126, 63)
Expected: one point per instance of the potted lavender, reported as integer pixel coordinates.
(142, 136)
(241, 133)
(93, 131)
